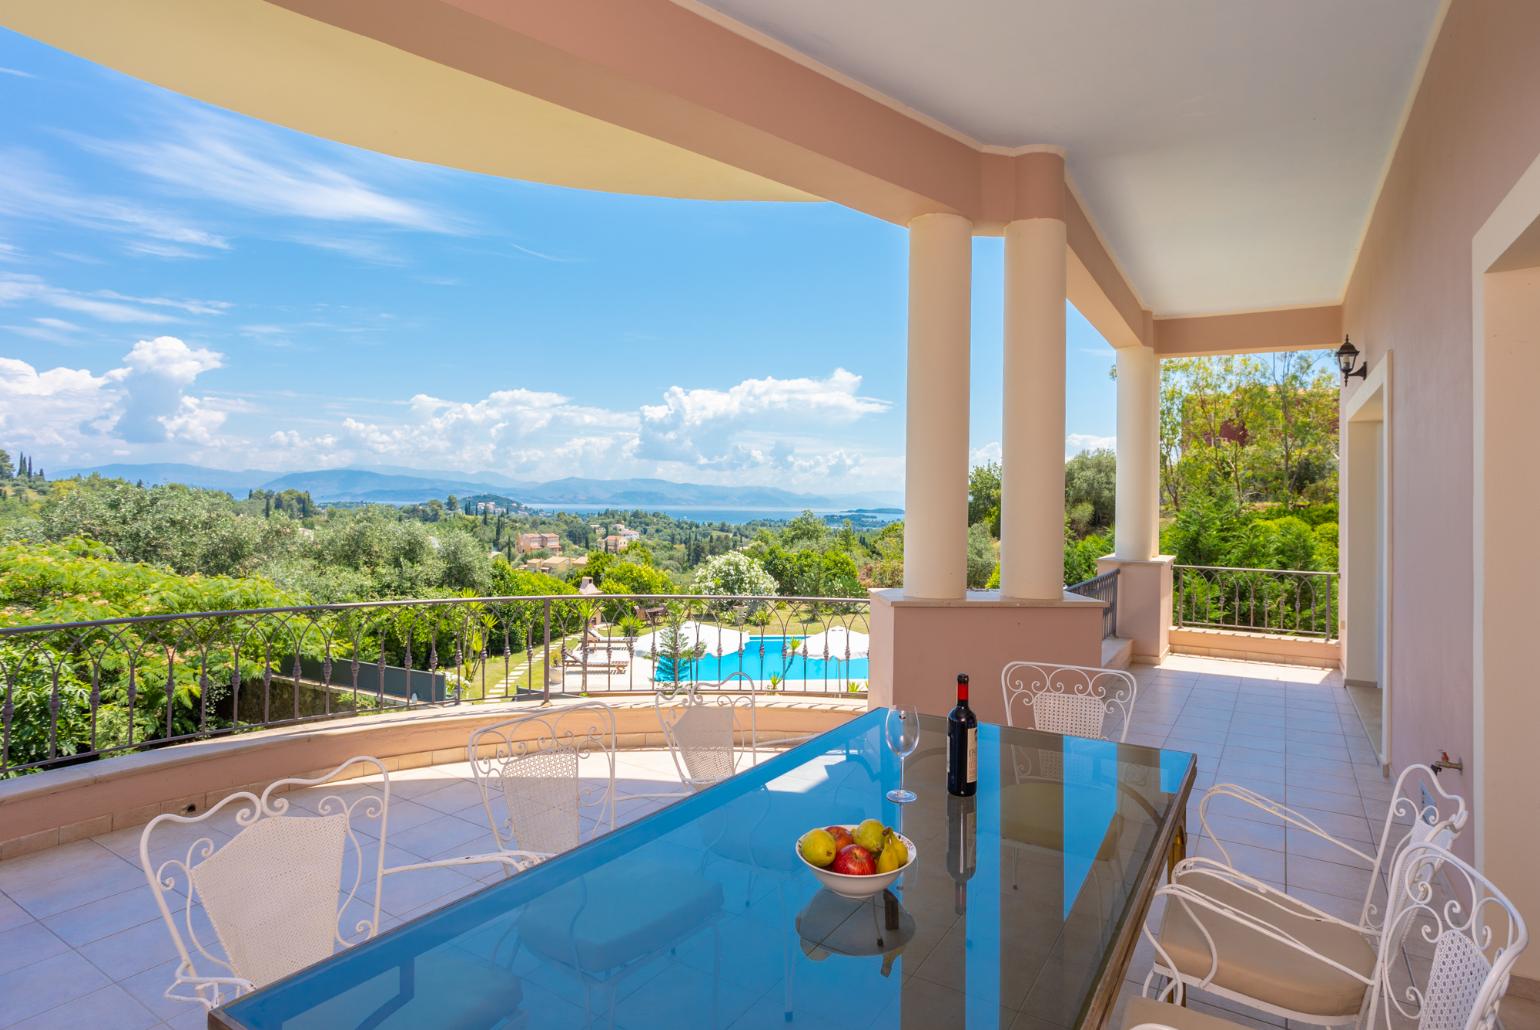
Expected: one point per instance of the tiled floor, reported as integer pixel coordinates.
(81, 942)
(1290, 733)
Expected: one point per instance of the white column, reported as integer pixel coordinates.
(1032, 438)
(1138, 498)
(936, 428)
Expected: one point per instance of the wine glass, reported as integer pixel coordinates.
(902, 731)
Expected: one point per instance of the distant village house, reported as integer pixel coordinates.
(531, 542)
(620, 538)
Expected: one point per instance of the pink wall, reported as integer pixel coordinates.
(919, 647)
(1474, 128)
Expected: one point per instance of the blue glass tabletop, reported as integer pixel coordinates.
(1023, 899)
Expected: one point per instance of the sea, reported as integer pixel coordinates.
(859, 517)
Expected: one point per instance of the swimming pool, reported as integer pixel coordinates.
(762, 658)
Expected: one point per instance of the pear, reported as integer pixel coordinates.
(870, 835)
(817, 846)
(894, 854)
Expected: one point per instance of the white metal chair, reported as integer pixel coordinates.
(1409, 820)
(1069, 699)
(704, 727)
(1467, 931)
(288, 890)
(1470, 930)
(1246, 961)
(533, 763)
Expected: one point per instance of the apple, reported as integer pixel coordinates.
(854, 860)
(817, 846)
(842, 837)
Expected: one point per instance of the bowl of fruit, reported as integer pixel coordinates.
(856, 861)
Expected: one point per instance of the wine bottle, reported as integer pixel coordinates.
(961, 847)
(962, 745)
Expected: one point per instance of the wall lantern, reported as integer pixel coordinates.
(1347, 359)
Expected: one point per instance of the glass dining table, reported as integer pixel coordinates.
(1021, 907)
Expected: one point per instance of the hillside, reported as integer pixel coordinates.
(403, 486)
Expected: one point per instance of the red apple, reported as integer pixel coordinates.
(841, 836)
(854, 860)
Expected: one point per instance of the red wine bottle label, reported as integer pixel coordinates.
(973, 755)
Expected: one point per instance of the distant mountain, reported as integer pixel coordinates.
(385, 488)
(232, 481)
(388, 485)
(642, 493)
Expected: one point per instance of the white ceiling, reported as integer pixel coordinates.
(1228, 150)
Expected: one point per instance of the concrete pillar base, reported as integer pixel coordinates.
(920, 645)
(1144, 604)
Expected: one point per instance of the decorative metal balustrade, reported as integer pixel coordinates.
(1287, 602)
(75, 692)
(1102, 588)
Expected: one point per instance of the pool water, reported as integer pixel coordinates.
(762, 658)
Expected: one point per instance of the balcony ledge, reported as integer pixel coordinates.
(59, 806)
(983, 599)
(1257, 647)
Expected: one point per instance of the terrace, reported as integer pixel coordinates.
(86, 944)
(1192, 184)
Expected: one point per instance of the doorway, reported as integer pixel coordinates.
(1506, 364)
(1366, 579)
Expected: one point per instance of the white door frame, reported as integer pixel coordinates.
(1511, 222)
(1371, 403)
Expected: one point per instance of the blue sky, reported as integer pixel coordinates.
(179, 283)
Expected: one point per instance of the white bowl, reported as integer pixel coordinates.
(857, 887)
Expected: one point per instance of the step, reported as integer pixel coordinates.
(1117, 653)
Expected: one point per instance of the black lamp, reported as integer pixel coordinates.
(1347, 358)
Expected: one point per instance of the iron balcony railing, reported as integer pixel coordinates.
(1102, 588)
(73, 692)
(1287, 602)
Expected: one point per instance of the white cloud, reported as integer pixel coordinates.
(481, 434)
(1074, 443)
(31, 191)
(169, 358)
(755, 431)
(194, 421)
(372, 251)
(784, 432)
(990, 452)
(143, 401)
(290, 448)
(103, 310)
(542, 255)
(249, 165)
(17, 72)
(695, 426)
(192, 307)
(48, 408)
(152, 402)
(156, 248)
(53, 330)
(1077, 443)
(103, 305)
